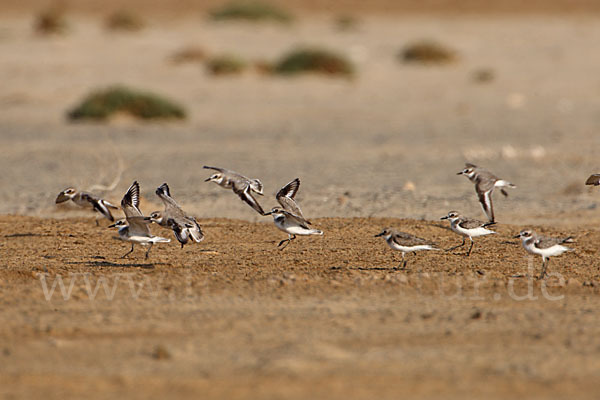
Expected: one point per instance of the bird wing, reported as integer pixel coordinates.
(172, 209)
(544, 242)
(138, 225)
(296, 219)
(246, 196)
(222, 170)
(285, 197)
(485, 199)
(406, 239)
(594, 179)
(470, 223)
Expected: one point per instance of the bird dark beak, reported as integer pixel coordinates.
(268, 213)
(147, 218)
(459, 173)
(61, 198)
(446, 217)
(379, 234)
(207, 180)
(517, 236)
(112, 226)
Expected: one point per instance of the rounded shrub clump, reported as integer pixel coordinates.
(250, 11)
(427, 52)
(102, 104)
(51, 21)
(124, 21)
(314, 60)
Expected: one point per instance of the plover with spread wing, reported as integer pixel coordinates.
(184, 226)
(289, 218)
(241, 185)
(405, 242)
(135, 228)
(467, 227)
(485, 183)
(544, 246)
(594, 179)
(87, 200)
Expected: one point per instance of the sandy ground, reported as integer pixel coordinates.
(328, 317)
(387, 143)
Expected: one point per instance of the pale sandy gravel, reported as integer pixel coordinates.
(536, 124)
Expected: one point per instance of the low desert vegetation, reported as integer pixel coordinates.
(51, 21)
(102, 104)
(226, 64)
(190, 54)
(314, 60)
(427, 52)
(250, 10)
(346, 23)
(483, 75)
(124, 21)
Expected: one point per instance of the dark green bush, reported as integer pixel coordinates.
(124, 21)
(314, 60)
(251, 11)
(101, 104)
(427, 52)
(225, 65)
(51, 21)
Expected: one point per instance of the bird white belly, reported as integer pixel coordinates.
(476, 232)
(407, 249)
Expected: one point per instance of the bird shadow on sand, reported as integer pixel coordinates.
(114, 264)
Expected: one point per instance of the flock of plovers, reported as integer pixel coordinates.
(290, 219)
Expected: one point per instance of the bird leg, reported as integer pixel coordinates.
(286, 241)
(402, 264)
(470, 247)
(544, 266)
(129, 252)
(148, 251)
(456, 247)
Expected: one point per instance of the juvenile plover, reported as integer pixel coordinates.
(544, 246)
(241, 185)
(405, 242)
(135, 228)
(467, 227)
(485, 182)
(87, 200)
(594, 179)
(289, 218)
(184, 226)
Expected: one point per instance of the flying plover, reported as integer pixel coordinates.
(173, 217)
(467, 227)
(594, 179)
(544, 246)
(87, 200)
(135, 228)
(241, 185)
(485, 182)
(405, 242)
(289, 218)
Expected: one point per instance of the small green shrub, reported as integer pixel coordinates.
(101, 104)
(226, 65)
(314, 60)
(251, 11)
(346, 23)
(427, 52)
(51, 21)
(124, 21)
(188, 55)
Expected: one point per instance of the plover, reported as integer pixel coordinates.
(87, 200)
(544, 246)
(184, 226)
(594, 179)
(405, 242)
(135, 228)
(467, 227)
(290, 218)
(241, 185)
(485, 182)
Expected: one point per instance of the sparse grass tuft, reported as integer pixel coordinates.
(251, 10)
(102, 104)
(346, 23)
(427, 52)
(226, 65)
(314, 60)
(51, 21)
(188, 55)
(124, 21)
(483, 75)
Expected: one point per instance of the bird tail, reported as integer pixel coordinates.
(256, 186)
(196, 234)
(158, 239)
(315, 232)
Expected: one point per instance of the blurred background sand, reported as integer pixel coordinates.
(387, 142)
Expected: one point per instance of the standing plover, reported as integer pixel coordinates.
(241, 185)
(594, 179)
(289, 218)
(135, 228)
(467, 227)
(87, 200)
(405, 242)
(544, 246)
(173, 217)
(485, 182)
